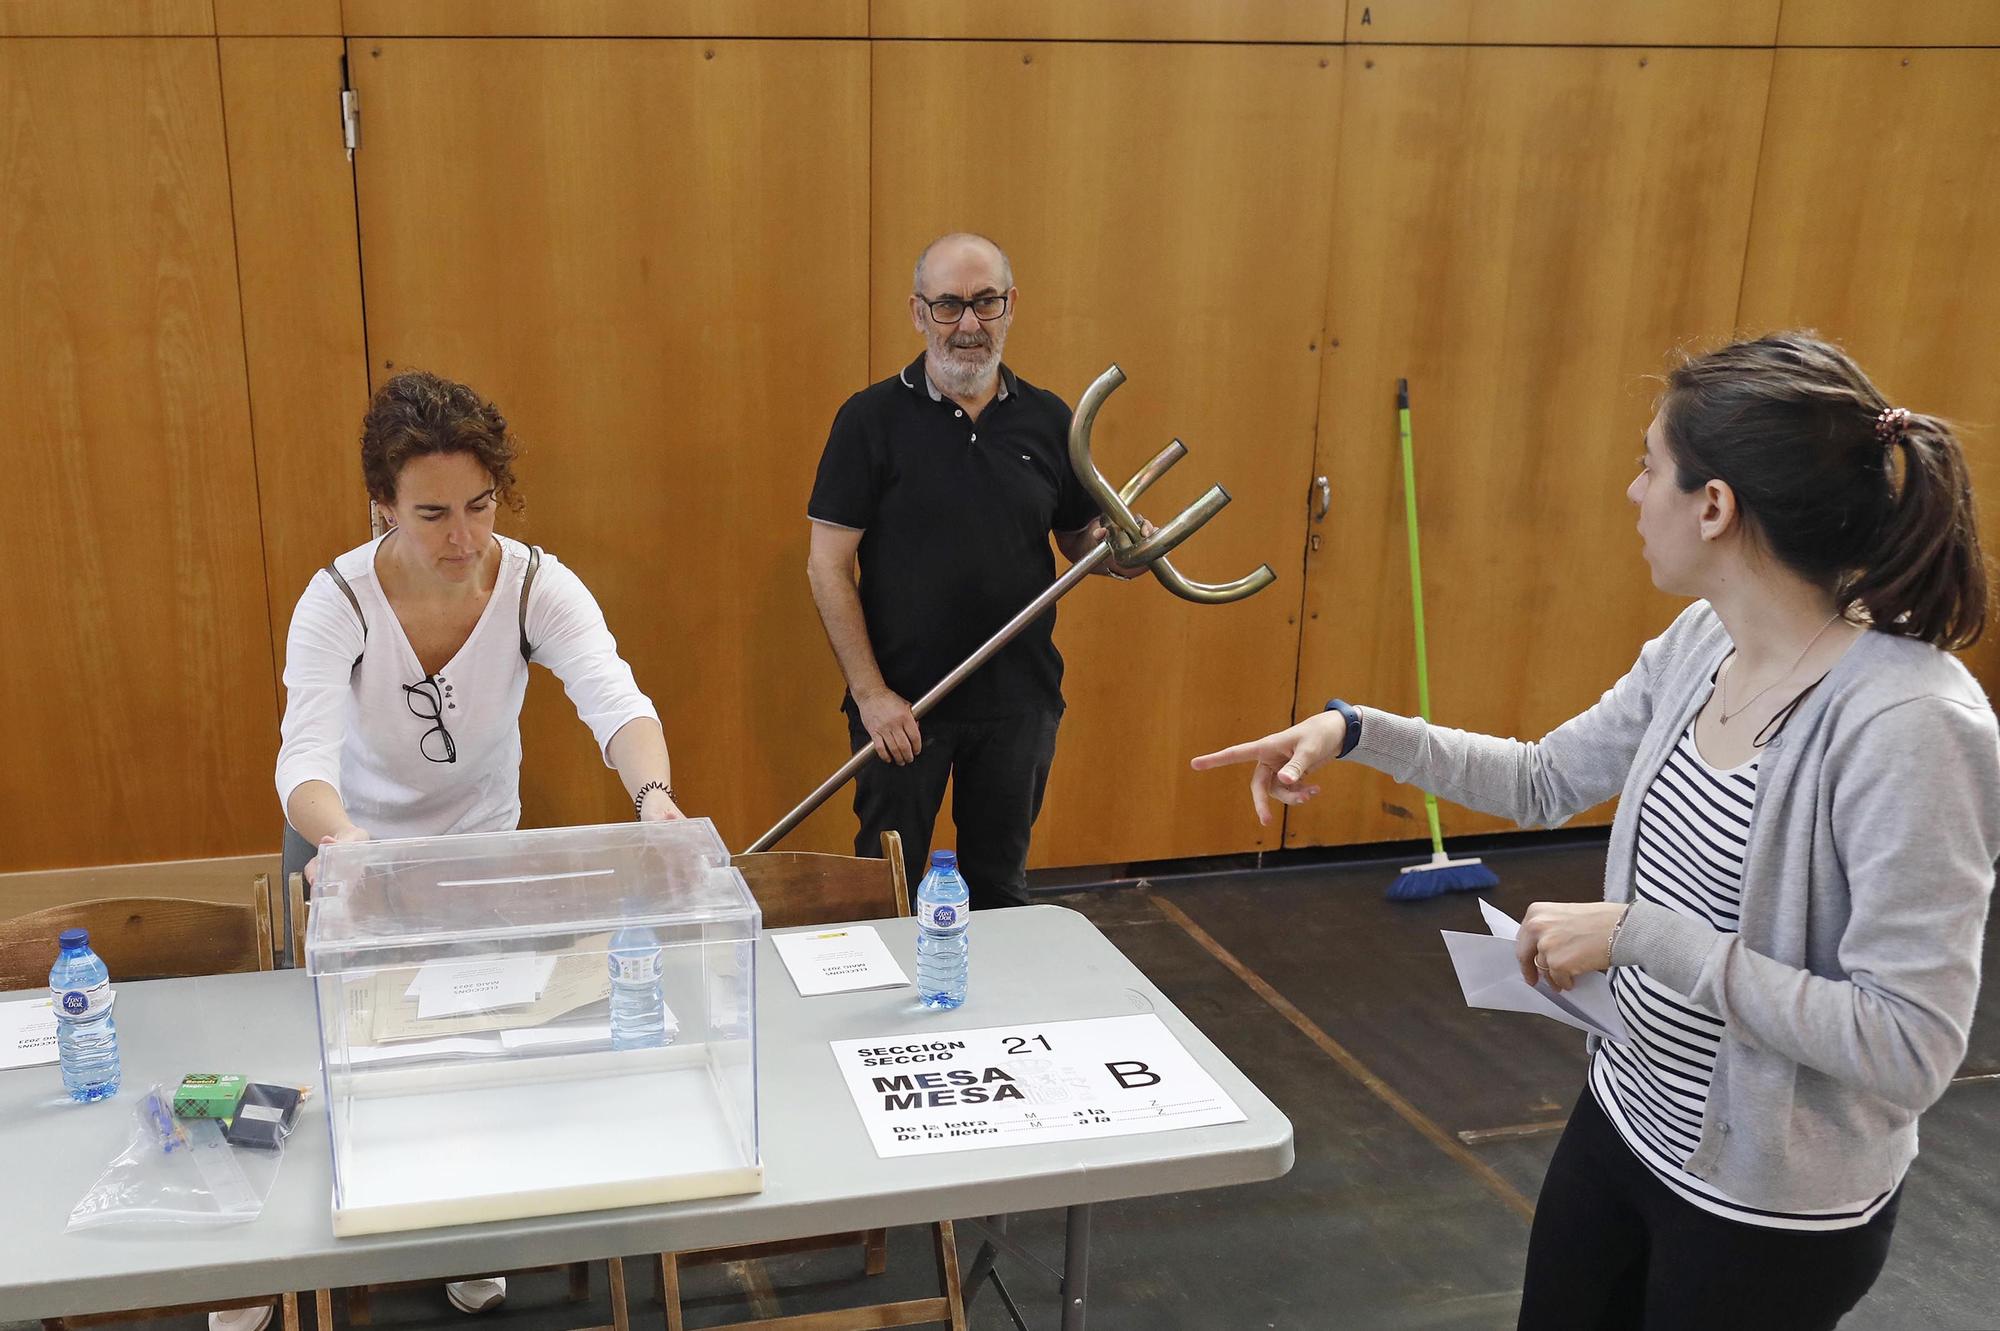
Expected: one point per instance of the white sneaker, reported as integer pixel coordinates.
(254, 1318)
(476, 1296)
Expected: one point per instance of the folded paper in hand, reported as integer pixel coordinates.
(1491, 978)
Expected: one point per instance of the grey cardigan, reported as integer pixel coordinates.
(1849, 991)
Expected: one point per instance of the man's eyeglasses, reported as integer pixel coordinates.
(950, 309)
(427, 704)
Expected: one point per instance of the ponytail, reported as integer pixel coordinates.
(1871, 502)
(1925, 576)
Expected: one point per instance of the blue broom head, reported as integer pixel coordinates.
(1424, 881)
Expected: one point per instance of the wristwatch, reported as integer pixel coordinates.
(1353, 719)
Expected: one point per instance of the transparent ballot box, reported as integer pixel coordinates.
(529, 1023)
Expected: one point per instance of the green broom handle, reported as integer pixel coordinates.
(1416, 586)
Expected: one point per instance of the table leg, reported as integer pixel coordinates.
(982, 1261)
(1074, 1277)
(1076, 1268)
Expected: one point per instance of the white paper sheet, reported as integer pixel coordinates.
(1052, 1081)
(27, 1033)
(1491, 978)
(487, 1045)
(450, 989)
(492, 1044)
(583, 1037)
(835, 961)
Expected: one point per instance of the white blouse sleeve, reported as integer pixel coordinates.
(567, 633)
(321, 647)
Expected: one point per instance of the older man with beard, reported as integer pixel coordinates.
(941, 485)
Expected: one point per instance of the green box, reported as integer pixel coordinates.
(209, 1094)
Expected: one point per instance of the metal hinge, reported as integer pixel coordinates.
(350, 120)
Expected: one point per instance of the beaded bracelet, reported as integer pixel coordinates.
(639, 800)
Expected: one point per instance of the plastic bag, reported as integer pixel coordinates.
(178, 1172)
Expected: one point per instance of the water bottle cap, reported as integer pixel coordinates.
(74, 938)
(944, 859)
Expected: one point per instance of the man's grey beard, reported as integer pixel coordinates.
(962, 379)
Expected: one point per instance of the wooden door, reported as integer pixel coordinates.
(141, 694)
(1875, 226)
(653, 256)
(1164, 208)
(1525, 235)
(299, 265)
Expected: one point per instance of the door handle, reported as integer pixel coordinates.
(1323, 498)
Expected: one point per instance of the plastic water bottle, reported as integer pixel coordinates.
(944, 908)
(638, 1003)
(86, 1039)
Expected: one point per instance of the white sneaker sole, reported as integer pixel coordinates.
(227, 1320)
(466, 1306)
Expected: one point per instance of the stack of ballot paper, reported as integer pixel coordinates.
(1491, 978)
(475, 995)
(491, 1044)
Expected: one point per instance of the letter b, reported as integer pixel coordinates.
(1132, 1074)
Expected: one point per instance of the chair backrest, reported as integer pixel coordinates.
(144, 938)
(800, 887)
(296, 889)
(24, 891)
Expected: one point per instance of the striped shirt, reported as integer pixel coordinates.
(1694, 829)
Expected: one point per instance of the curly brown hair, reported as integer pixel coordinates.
(418, 413)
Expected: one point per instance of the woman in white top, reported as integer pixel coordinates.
(407, 658)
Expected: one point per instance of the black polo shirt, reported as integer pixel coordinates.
(955, 516)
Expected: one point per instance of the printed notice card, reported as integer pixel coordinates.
(1037, 1082)
(27, 1033)
(834, 961)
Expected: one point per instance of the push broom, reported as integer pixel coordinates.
(1442, 874)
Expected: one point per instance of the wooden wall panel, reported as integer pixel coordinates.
(1565, 22)
(277, 18)
(1114, 20)
(1163, 207)
(669, 303)
(106, 18)
(142, 711)
(1876, 225)
(1904, 23)
(1525, 235)
(300, 269)
(607, 18)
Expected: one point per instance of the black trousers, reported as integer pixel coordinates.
(1615, 1249)
(998, 771)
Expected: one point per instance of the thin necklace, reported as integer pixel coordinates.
(1722, 710)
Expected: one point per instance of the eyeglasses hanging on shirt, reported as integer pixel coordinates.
(426, 703)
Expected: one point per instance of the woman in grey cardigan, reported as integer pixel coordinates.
(1798, 874)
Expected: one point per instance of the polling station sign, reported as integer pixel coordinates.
(1037, 1082)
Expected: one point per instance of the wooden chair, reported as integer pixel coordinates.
(144, 938)
(153, 938)
(799, 888)
(359, 1298)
